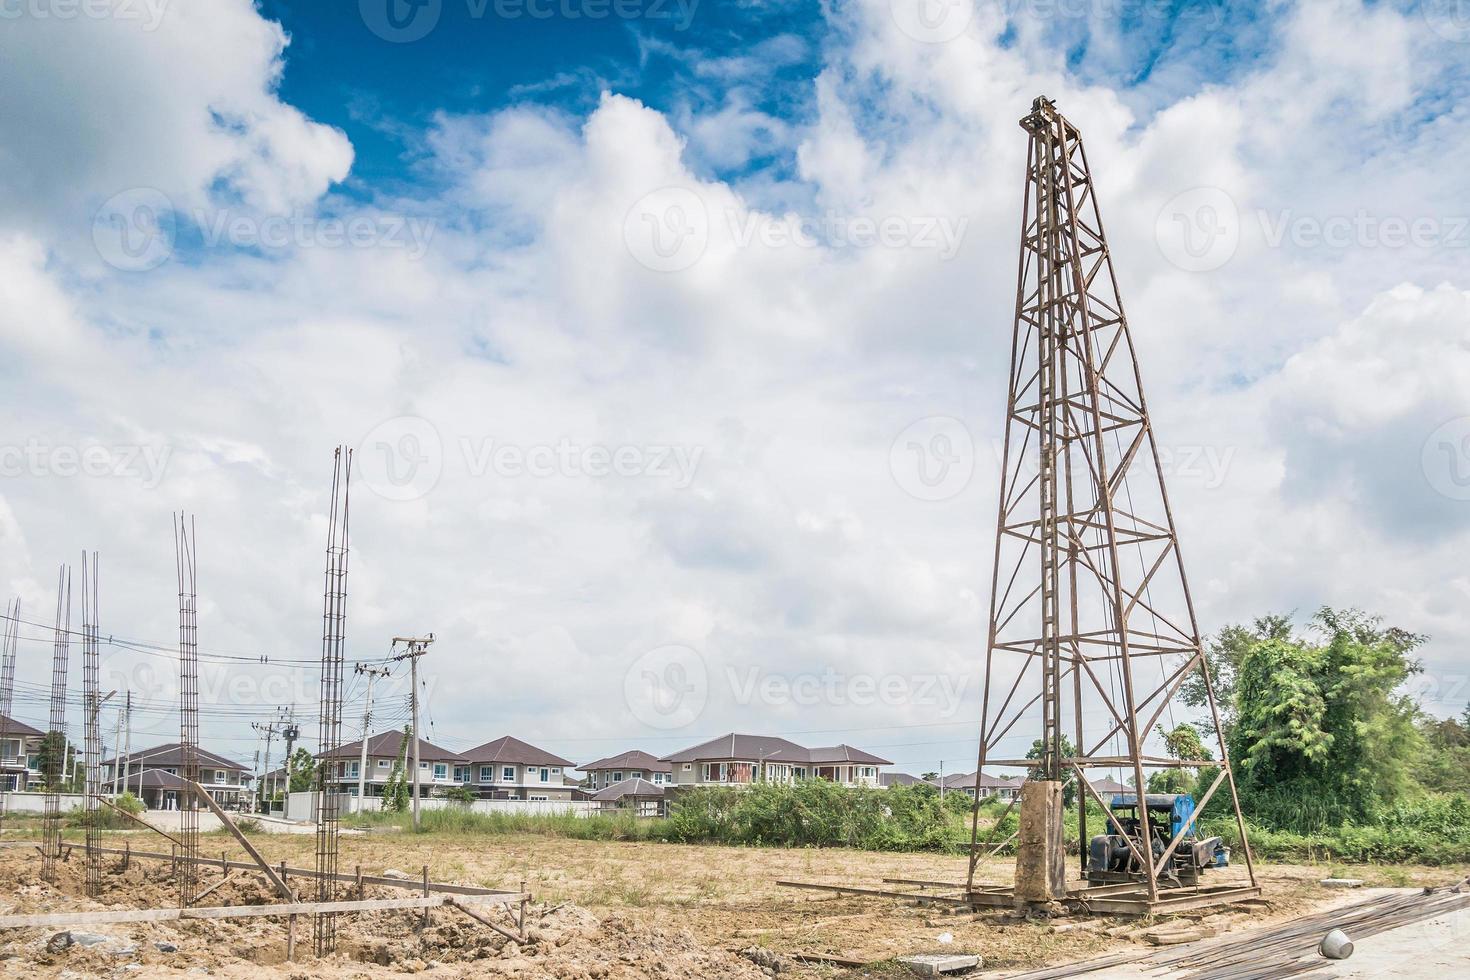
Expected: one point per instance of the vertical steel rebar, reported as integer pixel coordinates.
(92, 704)
(8, 642)
(329, 770)
(186, 567)
(54, 748)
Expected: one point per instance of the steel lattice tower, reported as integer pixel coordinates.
(334, 624)
(185, 565)
(1091, 615)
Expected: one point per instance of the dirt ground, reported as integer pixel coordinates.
(603, 910)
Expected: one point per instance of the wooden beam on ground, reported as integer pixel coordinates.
(60, 919)
(138, 820)
(437, 887)
(224, 818)
(485, 920)
(841, 890)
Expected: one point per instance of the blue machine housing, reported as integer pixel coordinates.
(1180, 806)
(1111, 852)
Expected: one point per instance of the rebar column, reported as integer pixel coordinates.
(8, 642)
(185, 565)
(328, 773)
(54, 749)
(92, 705)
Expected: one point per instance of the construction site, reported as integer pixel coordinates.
(1154, 785)
(1092, 638)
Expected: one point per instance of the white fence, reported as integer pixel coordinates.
(36, 802)
(301, 806)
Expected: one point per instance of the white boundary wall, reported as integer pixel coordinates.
(36, 802)
(300, 806)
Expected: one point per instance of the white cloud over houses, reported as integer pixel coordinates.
(550, 366)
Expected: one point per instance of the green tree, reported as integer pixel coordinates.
(300, 770)
(1444, 766)
(1319, 735)
(1069, 777)
(1223, 655)
(54, 757)
(396, 789)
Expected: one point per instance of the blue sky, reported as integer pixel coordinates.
(480, 57)
(513, 183)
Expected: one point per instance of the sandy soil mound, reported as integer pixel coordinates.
(566, 941)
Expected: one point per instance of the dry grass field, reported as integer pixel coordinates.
(690, 908)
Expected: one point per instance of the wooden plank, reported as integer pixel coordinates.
(485, 920)
(54, 919)
(878, 892)
(437, 887)
(138, 820)
(826, 959)
(244, 842)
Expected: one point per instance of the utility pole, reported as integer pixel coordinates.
(367, 722)
(128, 745)
(270, 732)
(941, 780)
(117, 753)
(417, 647)
(288, 730)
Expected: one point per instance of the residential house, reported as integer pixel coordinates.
(1106, 787)
(153, 775)
(997, 786)
(628, 765)
(637, 796)
(509, 769)
(735, 759)
(887, 779)
(20, 746)
(439, 768)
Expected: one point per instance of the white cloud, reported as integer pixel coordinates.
(1308, 377)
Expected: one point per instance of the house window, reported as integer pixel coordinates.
(658, 779)
(441, 770)
(635, 775)
(219, 775)
(688, 767)
(384, 763)
(487, 773)
(537, 796)
(556, 770)
(545, 775)
(423, 765)
(352, 770)
(508, 773)
(461, 774)
(617, 777)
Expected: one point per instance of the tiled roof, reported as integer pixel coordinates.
(170, 755)
(628, 787)
(634, 759)
(768, 748)
(385, 745)
(15, 728)
(515, 752)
